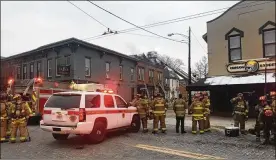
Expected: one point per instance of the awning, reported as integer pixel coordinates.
(248, 79)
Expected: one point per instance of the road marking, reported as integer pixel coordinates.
(177, 152)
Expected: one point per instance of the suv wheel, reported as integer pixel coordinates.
(98, 133)
(135, 124)
(60, 136)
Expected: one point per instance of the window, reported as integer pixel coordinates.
(234, 44)
(87, 67)
(269, 43)
(24, 71)
(18, 73)
(64, 101)
(166, 81)
(49, 68)
(67, 60)
(151, 76)
(57, 64)
(92, 101)
(120, 103)
(131, 74)
(160, 77)
(31, 71)
(108, 101)
(141, 74)
(121, 72)
(107, 69)
(38, 69)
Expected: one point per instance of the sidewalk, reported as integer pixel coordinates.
(216, 122)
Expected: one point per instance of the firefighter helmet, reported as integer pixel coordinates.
(17, 96)
(262, 98)
(240, 94)
(273, 93)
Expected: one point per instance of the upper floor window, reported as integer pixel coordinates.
(49, 68)
(151, 76)
(166, 81)
(87, 67)
(18, 72)
(141, 74)
(24, 71)
(160, 77)
(67, 60)
(107, 70)
(131, 74)
(38, 69)
(121, 72)
(57, 64)
(234, 44)
(268, 31)
(269, 43)
(31, 70)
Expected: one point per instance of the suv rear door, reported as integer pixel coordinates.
(62, 109)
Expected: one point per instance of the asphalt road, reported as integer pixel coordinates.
(123, 145)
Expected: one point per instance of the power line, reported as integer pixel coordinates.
(88, 14)
(133, 24)
(178, 20)
(199, 42)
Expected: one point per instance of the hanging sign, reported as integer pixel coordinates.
(63, 70)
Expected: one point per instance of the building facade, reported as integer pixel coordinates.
(74, 60)
(172, 82)
(241, 54)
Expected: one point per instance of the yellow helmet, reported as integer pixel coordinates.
(17, 96)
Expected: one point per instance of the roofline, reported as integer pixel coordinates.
(67, 41)
(205, 37)
(226, 11)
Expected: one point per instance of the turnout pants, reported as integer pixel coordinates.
(159, 118)
(8, 127)
(200, 122)
(207, 122)
(180, 122)
(267, 128)
(239, 121)
(3, 129)
(20, 124)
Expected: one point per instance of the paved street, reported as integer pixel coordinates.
(119, 145)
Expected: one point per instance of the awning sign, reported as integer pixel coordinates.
(63, 70)
(251, 66)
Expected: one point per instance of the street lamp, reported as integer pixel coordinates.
(189, 57)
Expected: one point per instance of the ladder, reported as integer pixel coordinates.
(146, 88)
(30, 83)
(162, 87)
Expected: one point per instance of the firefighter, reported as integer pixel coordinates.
(179, 107)
(136, 98)
(257, 128)
(266, 119)
(142, 105)
(9, 104)
(240, 113)
(20, 113)
(206, 102)
(197, 109)
(273, 100)
(159, 109)
(4, 117)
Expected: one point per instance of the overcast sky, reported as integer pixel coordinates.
(28, 25)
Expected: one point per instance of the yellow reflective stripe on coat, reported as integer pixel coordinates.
(198, 108)
(179, 105)
(34, 96)
(159, 105)
(158, 112)
(197, 115)
(29, 108)
(237, 112)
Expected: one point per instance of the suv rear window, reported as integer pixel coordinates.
(92, 101)
(64, 101)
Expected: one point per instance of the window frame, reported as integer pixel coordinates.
(131, 74)
(121, 72)
(140, 77)
(107, 71)
(263, 41)
(18, 72)
(231, 49)
(56, 62)
(24, 76)
(49, 68)
(87, 75)
(38, 69)
(151, 76)
(32, 73)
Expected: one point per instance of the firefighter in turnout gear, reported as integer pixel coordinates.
(159, 107)
(136, 98)
(9, 104)
(266, 119)
(197, 109)
(240, 113)
(20, 113)
(206, 102)
(179, 107)
(273, 100)
(142, 105)
(4, 118)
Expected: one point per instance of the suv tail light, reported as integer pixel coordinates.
(82, 115)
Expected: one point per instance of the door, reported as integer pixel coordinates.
(124, 115)
(111, 112)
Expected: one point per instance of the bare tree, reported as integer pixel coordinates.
(201, 68)
(174, 63)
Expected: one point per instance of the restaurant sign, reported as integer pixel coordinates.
(251, 66)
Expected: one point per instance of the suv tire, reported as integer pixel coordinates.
(98, 133)
(60, 136)
(135, 124)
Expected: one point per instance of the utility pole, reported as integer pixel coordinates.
(189, 65)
